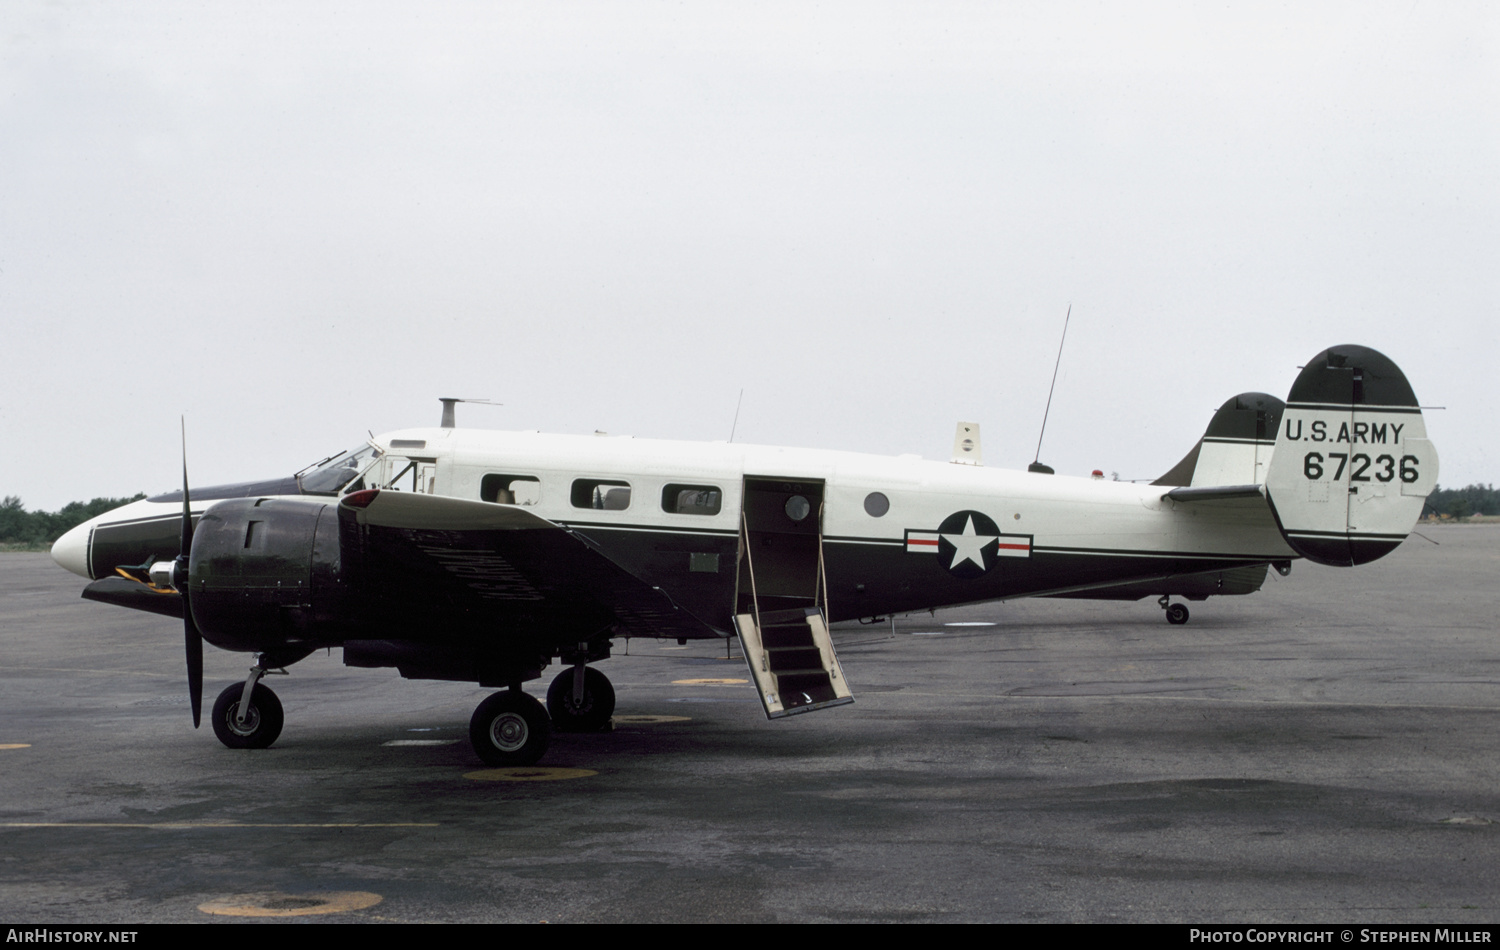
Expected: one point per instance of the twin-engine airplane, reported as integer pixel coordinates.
(480, 556)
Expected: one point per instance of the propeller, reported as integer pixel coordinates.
(191, 638)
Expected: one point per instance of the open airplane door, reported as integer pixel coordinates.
(779, 607)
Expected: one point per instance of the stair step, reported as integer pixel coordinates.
(784, 660)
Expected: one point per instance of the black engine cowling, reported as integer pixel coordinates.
(264, 573)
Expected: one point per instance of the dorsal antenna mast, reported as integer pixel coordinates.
(1036, 463)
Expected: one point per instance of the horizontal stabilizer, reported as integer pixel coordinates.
(1215, 493)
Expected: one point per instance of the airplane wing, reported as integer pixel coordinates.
(472, 567)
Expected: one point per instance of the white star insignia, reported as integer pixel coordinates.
(968, 546)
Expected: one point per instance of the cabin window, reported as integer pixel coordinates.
(394, 469)
(691, 499)
(601, 494)
(511, 489)
(798, 507)
(876, 504)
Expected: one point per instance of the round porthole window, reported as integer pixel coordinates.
(797, 508)
(876, 504)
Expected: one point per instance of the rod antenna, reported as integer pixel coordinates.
(1048, 410)
(736, 423)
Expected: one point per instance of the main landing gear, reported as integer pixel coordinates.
(512, 728)
(1176, 613)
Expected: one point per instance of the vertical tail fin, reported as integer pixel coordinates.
(1236, 448)
(1353, 464)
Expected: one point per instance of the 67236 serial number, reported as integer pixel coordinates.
(1359, 465)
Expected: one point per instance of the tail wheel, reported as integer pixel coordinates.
(261, 723)
(1177, 613)
(510, 728)
(587, 713)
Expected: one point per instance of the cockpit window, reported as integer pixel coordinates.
(329, 476)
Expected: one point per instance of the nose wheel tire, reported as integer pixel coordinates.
(262, 721)
(1177, 613)
(510, 728)
(591, 712)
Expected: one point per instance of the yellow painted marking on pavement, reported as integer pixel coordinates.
(649, 720)
(290, 905)
(711, 681)
(195, 825)
(531, 773)
(15, 745)
(82, 671)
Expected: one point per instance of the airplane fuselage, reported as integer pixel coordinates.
(898, 534)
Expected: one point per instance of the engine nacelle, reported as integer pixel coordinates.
(263, 573)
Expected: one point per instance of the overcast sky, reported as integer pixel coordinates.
(297, 222)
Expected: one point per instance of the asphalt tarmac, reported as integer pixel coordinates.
(1325, 750)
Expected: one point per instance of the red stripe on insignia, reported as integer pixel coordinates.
(925, 542)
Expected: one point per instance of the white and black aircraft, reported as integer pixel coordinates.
(481, 556)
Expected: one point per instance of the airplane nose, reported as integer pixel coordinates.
(72, 549)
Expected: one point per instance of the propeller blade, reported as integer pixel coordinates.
(186, 546)
(192, 640)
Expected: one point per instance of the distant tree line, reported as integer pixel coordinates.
(36, 528)
(1466, 501)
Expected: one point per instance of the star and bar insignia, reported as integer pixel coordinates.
(968, 543)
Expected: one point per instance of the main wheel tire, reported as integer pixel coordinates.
(262, 724)
(1177, 613)
(510, 728)
(590, 714)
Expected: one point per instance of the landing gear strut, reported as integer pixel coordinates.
(581, 700)
(1176, 613)
(510, 729)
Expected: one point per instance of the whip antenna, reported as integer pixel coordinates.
(1036, 463)
(736, 424)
